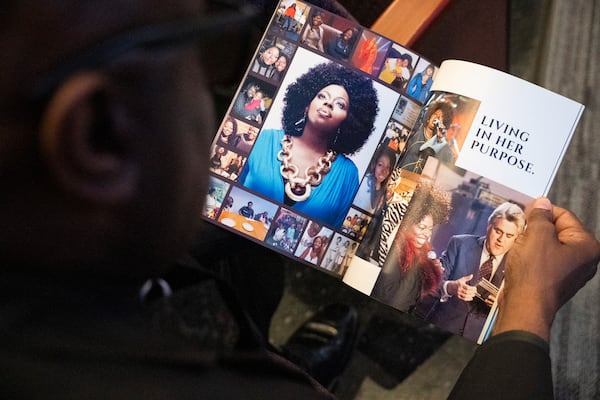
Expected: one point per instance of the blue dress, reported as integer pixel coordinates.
(416, 88)
(329, 202)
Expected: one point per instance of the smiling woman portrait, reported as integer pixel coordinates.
(264, 64)
(328, 114)
(372, 190)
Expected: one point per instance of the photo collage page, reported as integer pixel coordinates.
(316, 209)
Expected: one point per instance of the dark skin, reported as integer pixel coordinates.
(558, 248)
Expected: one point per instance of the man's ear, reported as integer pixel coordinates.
(82, 143)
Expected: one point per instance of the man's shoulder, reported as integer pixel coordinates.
(465, 236)
(464, 239)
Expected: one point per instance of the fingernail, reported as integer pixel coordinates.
(542, 202)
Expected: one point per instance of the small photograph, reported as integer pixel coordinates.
(370, 52)
(285, 230)
(380, 233)
(290, 18)
(227, 132)
(227, 163)
(395, 136)
(254, 100)
(331, 34)
(371, 192)
(398, 66)
(274, 56)
(406, 111)
(215, 197)
(313, 35)
(245, 137)
(313, 243)
(419, 85)
(339, 254)
(248, 214)
(217, 162)
(355, 224)
(233, 165)
(440, 130)
(348, 256)
(341, 43)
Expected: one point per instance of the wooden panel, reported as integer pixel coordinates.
(404, 20)
(471, 30)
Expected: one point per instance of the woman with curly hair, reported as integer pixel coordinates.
(371, 192)
(328, 114)
(411, 270)
(428, 138)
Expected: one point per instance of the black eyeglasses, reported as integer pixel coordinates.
(238, 18)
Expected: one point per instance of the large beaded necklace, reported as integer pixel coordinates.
(296, 188)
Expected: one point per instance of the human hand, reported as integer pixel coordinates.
(431, 255)
(490, 300)
(438, 264)
(547, 265)
(461, 289)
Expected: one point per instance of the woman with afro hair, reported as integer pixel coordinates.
(428, 138)
(328, 114)
(411, 270)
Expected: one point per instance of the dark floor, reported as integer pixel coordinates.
(391, 345)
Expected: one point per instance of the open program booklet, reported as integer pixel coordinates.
(357, 156)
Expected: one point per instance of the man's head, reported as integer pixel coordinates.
(104, 165)
(314, 228)
(251, 133)
(505, 224)
(406, 60)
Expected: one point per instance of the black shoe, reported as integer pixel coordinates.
(324, 343)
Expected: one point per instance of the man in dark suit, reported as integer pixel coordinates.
(247, 211)
(470, 262)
